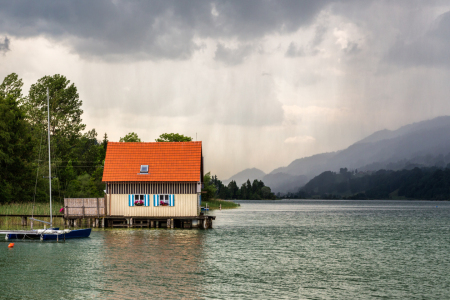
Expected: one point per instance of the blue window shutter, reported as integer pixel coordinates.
(155, 200)
(146, 200)
(172, 200)
(158, 200)
(130, 200)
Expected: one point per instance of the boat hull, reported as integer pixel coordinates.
(73, 234)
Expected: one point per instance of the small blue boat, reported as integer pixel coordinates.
(48, 234)
(73, 234)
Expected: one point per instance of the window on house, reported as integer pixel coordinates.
(144, 168)
(164, 200)
(139, 200)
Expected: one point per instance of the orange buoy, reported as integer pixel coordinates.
(11, 245)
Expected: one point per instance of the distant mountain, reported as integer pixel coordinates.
(242, 176)
(425, 143)
(282, 182)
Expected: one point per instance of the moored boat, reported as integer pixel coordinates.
(46, 234)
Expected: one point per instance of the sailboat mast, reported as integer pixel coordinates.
(49, 159)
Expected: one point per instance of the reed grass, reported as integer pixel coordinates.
(27, 209)
(215, 204)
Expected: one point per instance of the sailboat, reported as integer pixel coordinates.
(50, 233)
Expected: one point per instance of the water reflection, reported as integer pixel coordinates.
(153, 263)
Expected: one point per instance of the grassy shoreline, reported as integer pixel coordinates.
(215, 204)
(27, 209)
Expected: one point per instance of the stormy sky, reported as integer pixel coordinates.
(261, 83)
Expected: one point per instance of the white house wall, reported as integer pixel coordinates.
(186, 205)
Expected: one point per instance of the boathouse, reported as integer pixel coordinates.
(153, 179)
(147, 185)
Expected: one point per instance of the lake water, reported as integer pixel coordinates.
(264, 249)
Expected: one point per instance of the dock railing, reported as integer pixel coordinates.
(84, 207)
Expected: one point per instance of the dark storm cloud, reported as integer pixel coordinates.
(151, 29)
(4, 47)
(430, 49)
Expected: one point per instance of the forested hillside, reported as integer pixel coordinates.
(419, 183)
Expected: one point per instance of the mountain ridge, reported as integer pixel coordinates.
(423, 143)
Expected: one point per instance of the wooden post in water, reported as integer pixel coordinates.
(98, 208)
(168, 223)
(152, 224)
(171, 223)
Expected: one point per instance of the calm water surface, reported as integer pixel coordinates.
(282, 249)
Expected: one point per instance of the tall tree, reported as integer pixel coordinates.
(173, 137)
(234, 189)
(65, 106)
(12, 85)
(209, 189)
(16, 145)
(104, 146)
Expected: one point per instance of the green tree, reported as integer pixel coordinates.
(233, 190)
(132, 137)
(173, 137)
(80, 187)
(266, 192)
(12, 85)
(16, 145)
(103, 150)
(209, 189)
(65, 107)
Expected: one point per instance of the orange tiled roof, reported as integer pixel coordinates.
(166, 161)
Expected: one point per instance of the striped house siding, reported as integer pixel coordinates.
(185, 206)
(152, 188)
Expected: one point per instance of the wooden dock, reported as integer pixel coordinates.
(202, 221)
(93, 212)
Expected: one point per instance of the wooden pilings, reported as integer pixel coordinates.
(202, 222)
